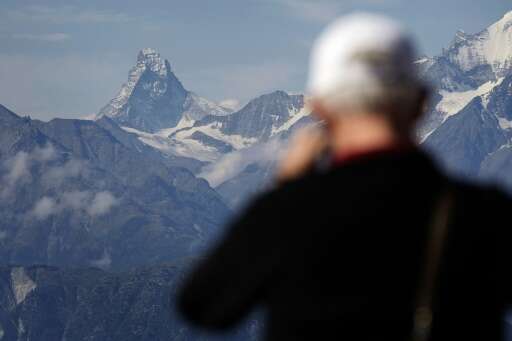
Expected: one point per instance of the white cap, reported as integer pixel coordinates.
(357, 57)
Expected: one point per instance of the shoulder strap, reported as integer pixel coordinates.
(436, 239)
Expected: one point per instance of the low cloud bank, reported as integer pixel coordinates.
(87, 202)
(233, 163)
(18, 172)
(18, 167)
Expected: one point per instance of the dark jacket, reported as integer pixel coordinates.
(337, 256)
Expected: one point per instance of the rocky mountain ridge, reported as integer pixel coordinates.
(76, 192)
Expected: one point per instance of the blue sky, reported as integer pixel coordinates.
(68, 58)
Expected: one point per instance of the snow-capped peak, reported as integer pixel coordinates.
(507, 16)
(492, 46)
(148, 51)
(460, 36)
(147, 58)
(499, 46)
(150, 58)
(153, 98)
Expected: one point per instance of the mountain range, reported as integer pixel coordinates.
(78, 192)
(469, 123)
(103, 215)
(467, 127)
(48, 303)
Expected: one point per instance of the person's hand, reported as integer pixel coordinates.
(304, 149)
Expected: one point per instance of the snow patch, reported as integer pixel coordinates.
(21, 284)
(233, 163)
(421, 61)
(185, 122)
(185, 147)
(504, 123)
(453, 102)
(230, 103)
(425, 136)
(103, 262)
(295, 117)
(195, 149)
(21, 327)
(213, 130)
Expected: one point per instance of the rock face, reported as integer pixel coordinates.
(485, 53)
(77, 192)
(228, 144)
(465, 140)
(153, 98)
(261, 118)
(468, 126)
(470, 62)
(52, 304)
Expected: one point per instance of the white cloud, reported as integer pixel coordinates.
(103, 262)
(93, 204)
(44, 154)
(48, 37)
(17, 171)
(327, 10)
(45, 207)
(71, 169)
(101, 203)
(233, 163)
(18, 167)
(230, 103)
(66, 14)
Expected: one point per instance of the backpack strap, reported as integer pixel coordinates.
(437, 236)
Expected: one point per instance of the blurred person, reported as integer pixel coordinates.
(378, 244)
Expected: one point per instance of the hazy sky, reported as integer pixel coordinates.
(68, 58)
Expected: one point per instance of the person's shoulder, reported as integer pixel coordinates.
(485, 195)
(296, 188)
(287, 193)
(276, 204)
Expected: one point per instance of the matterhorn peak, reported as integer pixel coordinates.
(153, 98)
(150, 58)
(148, 51)
(460, 36)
